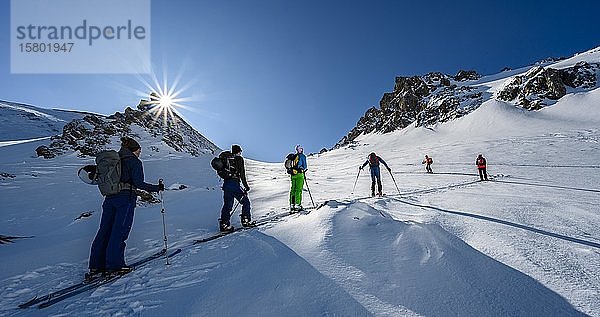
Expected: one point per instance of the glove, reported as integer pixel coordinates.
(161, 187)
(247, 189)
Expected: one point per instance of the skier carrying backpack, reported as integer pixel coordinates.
(428, 160)
(481, 167)
(118, 175)
(373, 160)
(230, 167)
(296, 166)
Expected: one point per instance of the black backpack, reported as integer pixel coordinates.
(291, 163)
(224, 164)
(373, 160)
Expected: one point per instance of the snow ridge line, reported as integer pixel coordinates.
(32, 111)
(500, 221)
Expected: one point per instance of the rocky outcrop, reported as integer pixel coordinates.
(4, 175)
(422, 100)
(541, 86)
(463, 75)
(95, 133)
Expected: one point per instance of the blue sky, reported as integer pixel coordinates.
(270, 74)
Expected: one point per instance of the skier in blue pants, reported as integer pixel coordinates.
(232, 190)
(108, 249)
(373, 161)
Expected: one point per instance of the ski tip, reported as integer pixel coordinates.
(28, 303)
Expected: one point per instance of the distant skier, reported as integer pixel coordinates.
(482, 167)
(108, 249)
(428, 160)
(373, 160)
(233, 175)
(297, 170)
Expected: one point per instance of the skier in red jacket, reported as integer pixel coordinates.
(481, 167)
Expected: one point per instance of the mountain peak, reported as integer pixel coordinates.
(149, 122)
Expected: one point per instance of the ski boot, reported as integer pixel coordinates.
(246, 223)
(224, 226)
(120, 271)
(292, 208)
(299, 208)
(373, 193)
(93, 274)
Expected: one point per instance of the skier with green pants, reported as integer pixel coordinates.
(297, 177)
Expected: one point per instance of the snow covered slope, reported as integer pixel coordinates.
(19, 121)
(524, 244)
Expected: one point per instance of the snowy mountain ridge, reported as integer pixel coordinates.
(20, 121)
(437, 98)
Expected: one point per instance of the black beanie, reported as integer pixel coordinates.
(130, 143)
(235, 149)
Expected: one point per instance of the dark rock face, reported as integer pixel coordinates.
(463, 75)
(94, 133)
(146, 198)
(541, 86)
(44, 152)
(425, 100)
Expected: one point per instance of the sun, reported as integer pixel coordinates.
(165, 98)
(165, 101)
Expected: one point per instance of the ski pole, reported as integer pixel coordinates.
(162, 212)
(236, 205)
(309, 194)
(354, 187)
(393, 179)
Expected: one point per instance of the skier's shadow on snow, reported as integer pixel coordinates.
(504, 222)
(550, 186)
(9, 239)
(546, 166)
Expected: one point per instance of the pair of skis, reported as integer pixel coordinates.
(70, 291)
(259, 223)
(84, 286)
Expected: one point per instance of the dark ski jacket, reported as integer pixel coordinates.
(132, 172)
